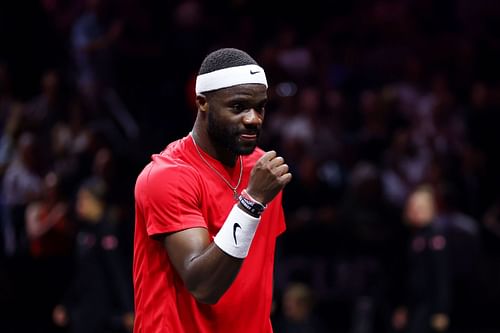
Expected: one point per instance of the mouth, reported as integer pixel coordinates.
(248, 136)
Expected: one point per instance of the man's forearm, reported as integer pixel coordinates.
(210, 274)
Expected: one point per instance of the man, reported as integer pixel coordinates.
(426, 294)
(208, 211)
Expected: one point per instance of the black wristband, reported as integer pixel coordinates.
(251, 207)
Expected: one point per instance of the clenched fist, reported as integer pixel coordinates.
(268, 177)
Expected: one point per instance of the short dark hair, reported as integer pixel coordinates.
(225, 58)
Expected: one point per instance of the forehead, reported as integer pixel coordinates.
(242, 91)
(421, 198)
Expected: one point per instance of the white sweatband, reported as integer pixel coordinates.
(236, 234)
(231, 76)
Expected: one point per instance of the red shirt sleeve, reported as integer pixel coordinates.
(281, 215)
(171, 200)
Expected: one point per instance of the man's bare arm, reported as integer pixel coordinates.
(205, 269)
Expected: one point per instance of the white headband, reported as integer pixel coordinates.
(231, 76)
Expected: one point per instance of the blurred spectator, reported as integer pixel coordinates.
(100, 297)
(106, 168)
(404, 166)
(298, 311)
(44, 110)
(10, 134)
(299, 129)
(48, 227)
(465, 252)
(426, 287)
(366, 219)
(48, 106)
(310, 207)
(11, 112)
(438, 122)
(71, 146)
(93, 37)
(21, 184)
(365, 239)
(301, 125)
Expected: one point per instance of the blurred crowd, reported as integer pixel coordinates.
(385, 110)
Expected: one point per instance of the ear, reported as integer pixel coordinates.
(202, 103)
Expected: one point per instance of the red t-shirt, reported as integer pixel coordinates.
(176, 191)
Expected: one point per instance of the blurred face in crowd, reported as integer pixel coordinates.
(88, 207)
(297, 302)
(420, 208)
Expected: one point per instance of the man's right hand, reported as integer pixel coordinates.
(268, 177)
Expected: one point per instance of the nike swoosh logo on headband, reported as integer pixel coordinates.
(252, 72)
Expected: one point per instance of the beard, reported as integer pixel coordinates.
(228, 137)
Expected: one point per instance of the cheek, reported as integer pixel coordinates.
(223, 126)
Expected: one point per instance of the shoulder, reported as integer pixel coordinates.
(164, 172)
(167, 171)
(172, 160)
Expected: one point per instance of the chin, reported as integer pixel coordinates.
(246, 152)
(244, 149)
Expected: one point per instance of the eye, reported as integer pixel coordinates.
(261, 108)
(238, 107)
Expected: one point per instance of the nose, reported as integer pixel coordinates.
(252, 118)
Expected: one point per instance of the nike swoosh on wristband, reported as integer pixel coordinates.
(252, 72)
(235, 226)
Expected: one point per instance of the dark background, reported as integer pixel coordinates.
(368, 99)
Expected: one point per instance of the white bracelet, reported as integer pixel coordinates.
(237, 232)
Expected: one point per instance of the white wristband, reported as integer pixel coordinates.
(236, 234)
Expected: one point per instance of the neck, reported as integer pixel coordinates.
(203, 141)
